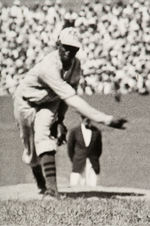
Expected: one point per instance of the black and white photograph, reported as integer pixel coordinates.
(75, 113)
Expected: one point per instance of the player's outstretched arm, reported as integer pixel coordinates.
(90, 112)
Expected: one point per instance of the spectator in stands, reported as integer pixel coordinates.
(117, 34)
(69, 19)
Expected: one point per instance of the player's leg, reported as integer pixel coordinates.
(29, 155)
(39, 178)
(46, 148)
(24, 115)
(49, 171)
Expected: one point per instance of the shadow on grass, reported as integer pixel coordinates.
(102, 194)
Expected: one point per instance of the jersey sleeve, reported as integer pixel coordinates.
(52, 78)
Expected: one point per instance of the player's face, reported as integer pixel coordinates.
(67, 53)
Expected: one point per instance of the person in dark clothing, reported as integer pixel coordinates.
(84, 150)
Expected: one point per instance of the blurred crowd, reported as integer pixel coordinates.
(115, 39)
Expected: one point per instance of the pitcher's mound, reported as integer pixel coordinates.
(30, 192)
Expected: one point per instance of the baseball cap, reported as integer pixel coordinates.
(69, 36)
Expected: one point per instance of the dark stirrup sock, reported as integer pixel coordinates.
(49, 170)
(38, 175)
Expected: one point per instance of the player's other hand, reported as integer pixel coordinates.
(61, 134)
(118, 123)
(59, 131)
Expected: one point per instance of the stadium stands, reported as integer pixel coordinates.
(114, 37)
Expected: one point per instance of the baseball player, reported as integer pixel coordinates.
(41, 101)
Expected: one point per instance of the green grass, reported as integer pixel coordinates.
(76, 212)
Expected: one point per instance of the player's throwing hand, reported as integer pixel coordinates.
(118, 123)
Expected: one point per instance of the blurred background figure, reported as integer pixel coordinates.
(69, 19)
(84, 150)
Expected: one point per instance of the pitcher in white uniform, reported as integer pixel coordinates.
(42, 98)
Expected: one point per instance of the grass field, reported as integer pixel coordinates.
(126, 153)
(75, 212)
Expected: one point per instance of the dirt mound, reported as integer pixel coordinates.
(30, 192)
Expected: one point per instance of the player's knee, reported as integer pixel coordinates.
(42, 124)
